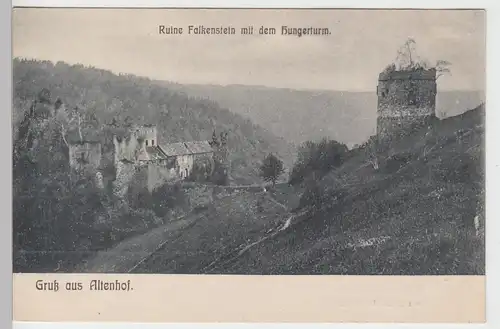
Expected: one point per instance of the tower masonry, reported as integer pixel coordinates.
(149, 134)
(405, 98)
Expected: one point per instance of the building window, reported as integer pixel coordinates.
(146, 143)
(153, 142)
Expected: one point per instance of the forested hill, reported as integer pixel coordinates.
(304, 115)
(127, 97)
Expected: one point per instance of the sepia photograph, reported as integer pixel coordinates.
(248, 141)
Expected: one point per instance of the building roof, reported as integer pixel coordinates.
(198, 147)
(184, 148)
(175, 149)
(155, 153)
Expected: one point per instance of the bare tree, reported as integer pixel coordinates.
(442, 67)
(406, 53)
(373, 160)
(371, 148)
(63, 133)
(75, 117)
(408, 58)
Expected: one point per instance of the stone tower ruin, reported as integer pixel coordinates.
(148, 133)
(128, 147)
(405, 99)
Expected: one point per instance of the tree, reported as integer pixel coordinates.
(271, 168)
(371, 150)
(442, 68)
(406, 53)
(408, 59)
(318, 158)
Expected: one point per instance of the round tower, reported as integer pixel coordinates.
(404, 99)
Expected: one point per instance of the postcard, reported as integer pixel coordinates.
(248, 165)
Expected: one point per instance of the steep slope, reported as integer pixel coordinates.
(301, 115)
(412, 216)
(126, 97)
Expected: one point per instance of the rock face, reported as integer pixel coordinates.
(405, 98)
(125, 153)
(124, 173)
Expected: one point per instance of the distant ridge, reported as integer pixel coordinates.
(301, 115)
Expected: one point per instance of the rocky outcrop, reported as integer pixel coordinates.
(125, 171)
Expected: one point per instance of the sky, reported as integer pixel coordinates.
(361, 44)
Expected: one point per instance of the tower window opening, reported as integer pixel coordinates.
(146, 143)
(384, 93)
(153, 142)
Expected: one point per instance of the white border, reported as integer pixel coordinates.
(492, 131)
(258, 4)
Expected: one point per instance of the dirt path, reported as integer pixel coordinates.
(131, 252)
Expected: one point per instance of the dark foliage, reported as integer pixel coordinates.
(318, 158)
(54, 209)
(271, 169)
(109, 102)
(167, 197)
(61, 217)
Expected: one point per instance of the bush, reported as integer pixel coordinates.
(312, 195)
(271, 169)
(463, 169)
(166, 197)
(317, 157)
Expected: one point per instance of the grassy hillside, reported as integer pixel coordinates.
(301, 115)
(179, 117)
(236, 219)
(411, 216)
(414, 215)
